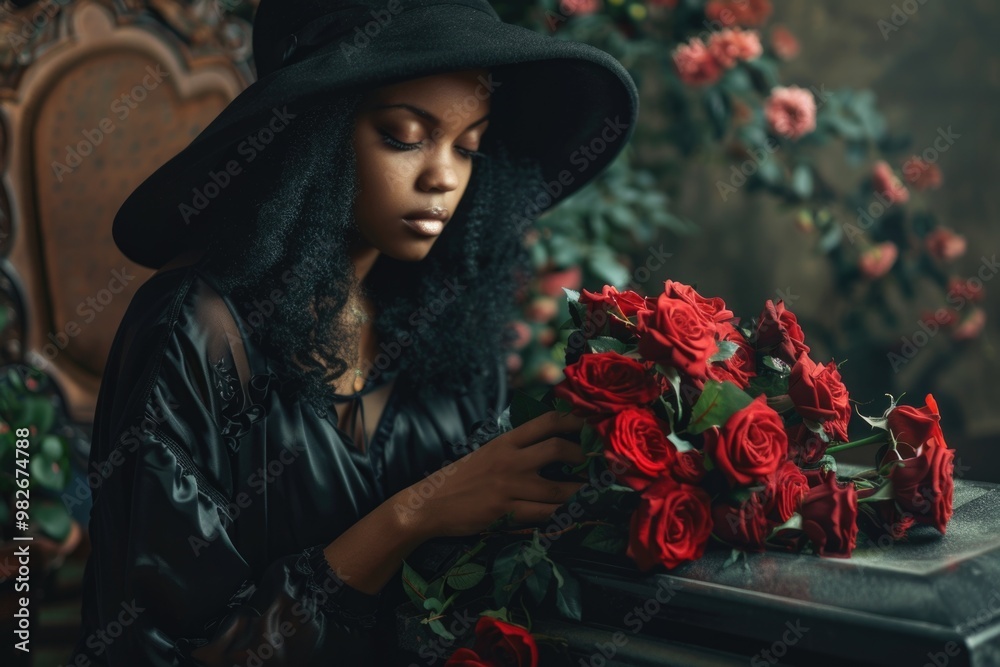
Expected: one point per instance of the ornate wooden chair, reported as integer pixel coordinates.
(94, 95)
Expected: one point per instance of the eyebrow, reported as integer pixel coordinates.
(424, 113)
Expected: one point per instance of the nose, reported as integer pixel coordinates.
(439, 173)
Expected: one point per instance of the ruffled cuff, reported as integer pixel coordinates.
(335, 596)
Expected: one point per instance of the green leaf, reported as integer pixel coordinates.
(38, 410)
(605, 539)
(568, 594)
(538, 580)
(53, 519)
(734, 556)
(50, 474)
(590, 440)
(831, 238)
(508, 568)
(571, 295)
(53, 447)
(414, 584)
(717, 403)
(562, 405)
(568, 325)
(674, 377)
(578, 313)
(769, 385)
(794, 523)
(608, 344)
(777, 365)
(465, 576)
(604, 264)
(435, 589)
(680, 443)
(727, 349)
(802, 181)
(437, 607)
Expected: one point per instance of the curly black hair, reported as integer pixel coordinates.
(293, 219)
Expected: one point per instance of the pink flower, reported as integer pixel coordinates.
(876, 261)
(514, 362)
(542, 309)
(552, 284)
(729, 47)
(579, 7)
(944, 244)
(885, 182)
(791, 111)
(921, 174)
(522, 334)
(971, 326)
(962, 290)
(741, 12)
(943, 316)
(695, 63)
(783, 42)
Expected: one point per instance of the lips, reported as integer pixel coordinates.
(425, 227)
(428, 221)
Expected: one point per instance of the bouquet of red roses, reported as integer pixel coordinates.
(726, 430)
(699, 428)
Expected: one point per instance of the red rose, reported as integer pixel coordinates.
(750, 445)
(671, 524)
(779, 333)
(784, 489)
(915, 425)
(498, 644)
(689, 467)
(612, 306)
(738, 368)
(606, 382)
(744, 525)
(636, 444)
(890, 520)
(830, 516)
(676, 333)
(805, 447)
(819, 395)
(814, 476)
(714, 308)
(924, 485)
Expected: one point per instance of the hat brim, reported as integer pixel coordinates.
(575, 111)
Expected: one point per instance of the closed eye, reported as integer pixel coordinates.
(399, 145)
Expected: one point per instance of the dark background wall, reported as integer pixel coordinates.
(941, 68)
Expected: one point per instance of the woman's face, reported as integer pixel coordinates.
(412, 140)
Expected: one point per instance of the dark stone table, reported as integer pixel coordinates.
(934, 600)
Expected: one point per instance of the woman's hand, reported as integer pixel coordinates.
(499, 477)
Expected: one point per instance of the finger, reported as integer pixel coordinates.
(553, 449)
(541, 490)
(527, 511)
(545, 425)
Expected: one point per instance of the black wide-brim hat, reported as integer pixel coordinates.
(572, 106)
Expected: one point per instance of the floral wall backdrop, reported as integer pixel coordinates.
(935, 73)
(837, 156)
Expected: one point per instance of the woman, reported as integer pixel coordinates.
(363, 260)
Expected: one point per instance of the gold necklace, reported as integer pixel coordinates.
(360, 316)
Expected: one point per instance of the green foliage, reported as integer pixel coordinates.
(34, 452)
(612, 227)
(717, 403)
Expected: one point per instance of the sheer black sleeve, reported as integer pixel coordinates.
(171, 579)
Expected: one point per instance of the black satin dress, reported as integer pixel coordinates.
(218, 493)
